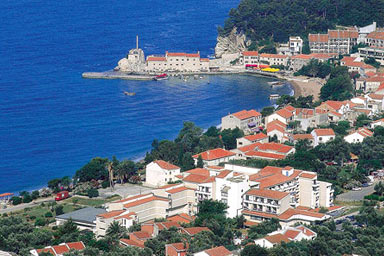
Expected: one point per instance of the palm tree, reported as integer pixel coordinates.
(115, 230)
(379, 188)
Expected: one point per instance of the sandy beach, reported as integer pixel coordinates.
(307, 87)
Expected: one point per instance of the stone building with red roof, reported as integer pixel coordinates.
(177, 61)
(214, 156)
(59, 250)
(246, 120)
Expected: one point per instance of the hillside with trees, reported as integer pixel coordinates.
(279, 19)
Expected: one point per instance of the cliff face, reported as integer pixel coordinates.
(233, 43)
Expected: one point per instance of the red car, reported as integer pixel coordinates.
(62, 195)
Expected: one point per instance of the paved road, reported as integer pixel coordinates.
(23, 206)
(356, 195)
(124, 190)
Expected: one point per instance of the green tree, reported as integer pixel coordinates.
(254, 250)
(362, 120)
(59, 210)
(200, 163)
(115, 230)
(229, 137)
(372, 61)
(54, 184)
(339, 86)
(266, 111)
(379, 188)
(96, 169)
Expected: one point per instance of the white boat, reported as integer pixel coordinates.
(274, 96)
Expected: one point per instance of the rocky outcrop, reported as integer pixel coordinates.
(235, 42)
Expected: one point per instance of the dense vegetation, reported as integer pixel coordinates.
(192, 140)
(279, 19)
(339, 85)
(315, 68)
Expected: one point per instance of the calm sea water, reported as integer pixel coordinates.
(52, 121)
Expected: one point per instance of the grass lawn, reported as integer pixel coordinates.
(348, 203)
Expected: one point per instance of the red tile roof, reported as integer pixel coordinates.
(144, 201)
(183, 54)
(245, 114)
(177, 190)
(274, 127)
(218, 251)
(267, 193)
(194, 230)
(318, 38)
(111, 214)
(277, 238)
(199, 171)
(76, 245)
(165, 165)
(277, 122)
(343, 33)
(302, 137)
(376, 35)
(223, 174)
(308, 175)
(204, 60)
(292, 234)
(152, 58)
(273, 146)
(167, 225)
(256, 137)
(49, 250)
(284, 113)
(273, 56)
(141, 235)
(129, 242)
(181, 218)
(127, 216)
(324, 132)
(214, 154)
(306, 231)
(132, 198)
(179, 246)
(251, 53)
(60, 249)
(195, 178)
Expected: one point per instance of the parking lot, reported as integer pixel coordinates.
(356, 195)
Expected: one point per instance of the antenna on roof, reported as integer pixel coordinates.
(137, 42)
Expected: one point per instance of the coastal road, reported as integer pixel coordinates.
(19, 207)
(356, 195)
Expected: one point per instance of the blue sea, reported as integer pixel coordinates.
(52, 121)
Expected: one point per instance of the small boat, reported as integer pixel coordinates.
(130, 93)
(161, 77)
(276, 83)
(274, 96)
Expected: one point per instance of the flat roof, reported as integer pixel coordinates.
(85, 215)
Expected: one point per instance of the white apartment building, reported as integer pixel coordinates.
(246, 120)
(250, 139)
(309, 189)
(358, 136)
(293, 47)
(184, 62)
(250, 58)
(322, 136)
(274, 59)
(215, 156)
(266, 201)
(159, 173)
(124, 217)
(335, 41)
(326, 194)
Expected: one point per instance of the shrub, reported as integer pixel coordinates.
(16, 200)
(105, 184)
(32, 217)
(40, 222)
(93, 193)
(48, 215)
(59, 210)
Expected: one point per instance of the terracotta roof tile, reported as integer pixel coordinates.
(194, 230)
(165, 165)
(245, 114)
(308, 175)
(323, 38)
(277, 238)
(111, 214)
(179, 246)
(60, 249)
(284, 113)
(153, 58)
(376, 35)
(141, 235)
(76, 245)
(129, 242)
(199, 171)
(144, 201)
(195, 178)
(302, 137)
(251, 53)
(223, 174)
(259, 154)
(218, 251)
(177, 190)
(292, 234)
(256, 137)
(215, 154)
(324, 132)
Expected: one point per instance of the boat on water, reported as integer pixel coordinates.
(274, 96)
(161, 77)
(130, 93)
(276, 83)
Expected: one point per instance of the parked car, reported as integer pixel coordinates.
(62, 195)
(364, 185)
(356, 189)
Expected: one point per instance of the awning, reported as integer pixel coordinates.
(251, 124)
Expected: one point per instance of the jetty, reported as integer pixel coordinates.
(116, 75)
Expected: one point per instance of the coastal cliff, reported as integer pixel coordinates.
(234, 42)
